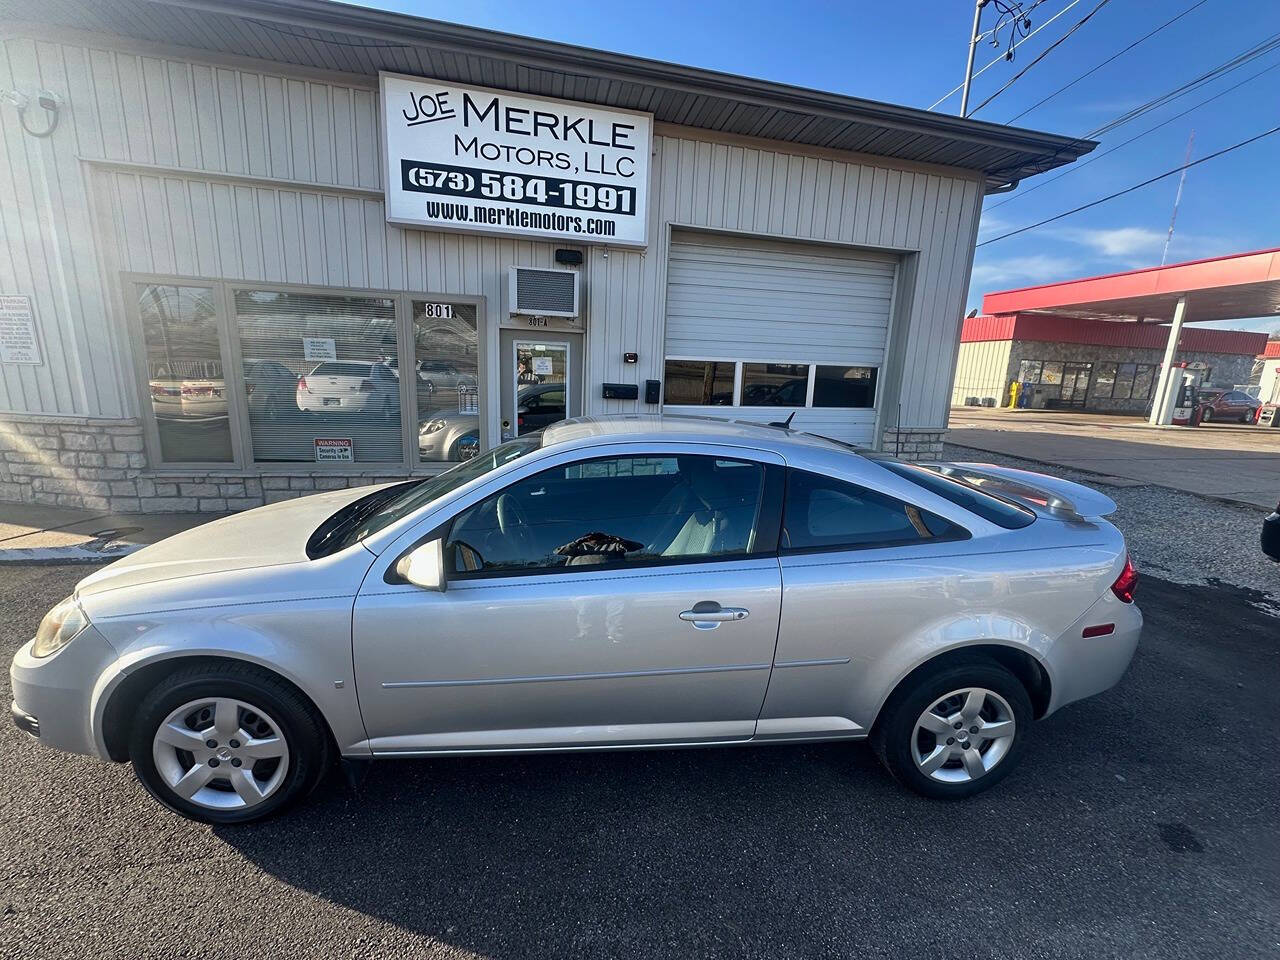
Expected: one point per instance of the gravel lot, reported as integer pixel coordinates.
(1178, 536)
(1142, 823)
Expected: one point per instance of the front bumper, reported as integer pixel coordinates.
(52, 696)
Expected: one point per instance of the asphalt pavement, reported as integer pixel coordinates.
(1144, 823)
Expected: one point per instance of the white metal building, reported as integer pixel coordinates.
(250, 248)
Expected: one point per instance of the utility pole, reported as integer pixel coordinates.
(1178, 198)
(973, 49)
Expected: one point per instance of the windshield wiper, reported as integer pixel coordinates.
(331, 536)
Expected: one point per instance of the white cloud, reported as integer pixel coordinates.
(1140, 242)
(1004, 272)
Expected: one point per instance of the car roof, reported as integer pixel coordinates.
(680, 427)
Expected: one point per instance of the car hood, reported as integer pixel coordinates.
(265, 537)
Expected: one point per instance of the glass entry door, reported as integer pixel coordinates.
(541, 384)
(541, 380)
(1075, 382)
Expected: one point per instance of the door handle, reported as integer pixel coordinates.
(707, 615)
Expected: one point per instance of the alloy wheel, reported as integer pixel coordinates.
(963, 735)
(221, 753)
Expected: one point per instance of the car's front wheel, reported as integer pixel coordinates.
(227, 743)
(957, 730)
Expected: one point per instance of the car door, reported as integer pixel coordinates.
(621, 599)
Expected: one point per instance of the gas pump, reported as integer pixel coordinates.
(1186, 409)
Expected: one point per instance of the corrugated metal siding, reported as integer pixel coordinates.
(237, 124)
(982, 370)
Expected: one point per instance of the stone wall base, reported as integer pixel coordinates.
(100, 465)
(913, 443)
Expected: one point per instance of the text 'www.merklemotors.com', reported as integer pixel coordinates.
(515, 217)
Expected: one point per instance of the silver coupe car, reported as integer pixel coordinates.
(607, 584)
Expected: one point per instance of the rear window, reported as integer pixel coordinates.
(1001, 512)
(332, 369)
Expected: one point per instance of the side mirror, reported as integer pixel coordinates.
(423, 566)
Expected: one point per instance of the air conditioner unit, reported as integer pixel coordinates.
(544, 293)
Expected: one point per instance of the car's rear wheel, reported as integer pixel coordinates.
(956, 730)
(227, 743)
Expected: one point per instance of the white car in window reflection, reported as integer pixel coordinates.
(347, 386)
(188, 398)
(618, 583)
(447, 434)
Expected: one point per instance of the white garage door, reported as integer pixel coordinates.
(757, 329)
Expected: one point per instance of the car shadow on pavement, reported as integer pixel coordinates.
(1102, 836)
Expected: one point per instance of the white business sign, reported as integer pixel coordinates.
(18, 340)
(489, 161)
(319, 348)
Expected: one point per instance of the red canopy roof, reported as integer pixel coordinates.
(1220, 288)
(1051, 329)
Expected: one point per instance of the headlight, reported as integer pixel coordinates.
(59, 627)
(431, 426)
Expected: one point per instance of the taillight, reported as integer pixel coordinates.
(302, 384)
(1127, 582)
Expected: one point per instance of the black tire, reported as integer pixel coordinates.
(891, 737)
(310, 752)
(1206, 414)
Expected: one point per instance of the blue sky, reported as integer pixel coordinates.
(914, 54)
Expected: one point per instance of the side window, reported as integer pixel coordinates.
(614, 511)
(822, 513)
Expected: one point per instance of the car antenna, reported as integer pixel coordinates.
(784, 424)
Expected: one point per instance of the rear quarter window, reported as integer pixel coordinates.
(822, 513)
(1002, 513)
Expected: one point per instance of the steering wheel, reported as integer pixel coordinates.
(513, 524)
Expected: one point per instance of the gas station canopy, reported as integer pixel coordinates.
(1233, 287)
(1222, 288)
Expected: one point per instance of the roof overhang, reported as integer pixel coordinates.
(1221, 288)
(336, 36)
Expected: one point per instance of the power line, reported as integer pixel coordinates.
(1000, 59)
(1252, 53)
(1163, 123)
(1110, 59)
(1002, 22)
(1136, 186)
(1043, 53)
(1258, 50)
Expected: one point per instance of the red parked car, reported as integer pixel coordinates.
(1227, 405)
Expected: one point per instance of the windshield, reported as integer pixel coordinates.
(411, 497)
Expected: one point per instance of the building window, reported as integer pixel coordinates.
(1029, 371)
(1143, 381)
(845, 387)
(774, 384)
(712, 383)
(1125, 374)
(321, 375)
(1051, 373)
(699, 383)
(446, 380)
(1106, 380)
(185, 380)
